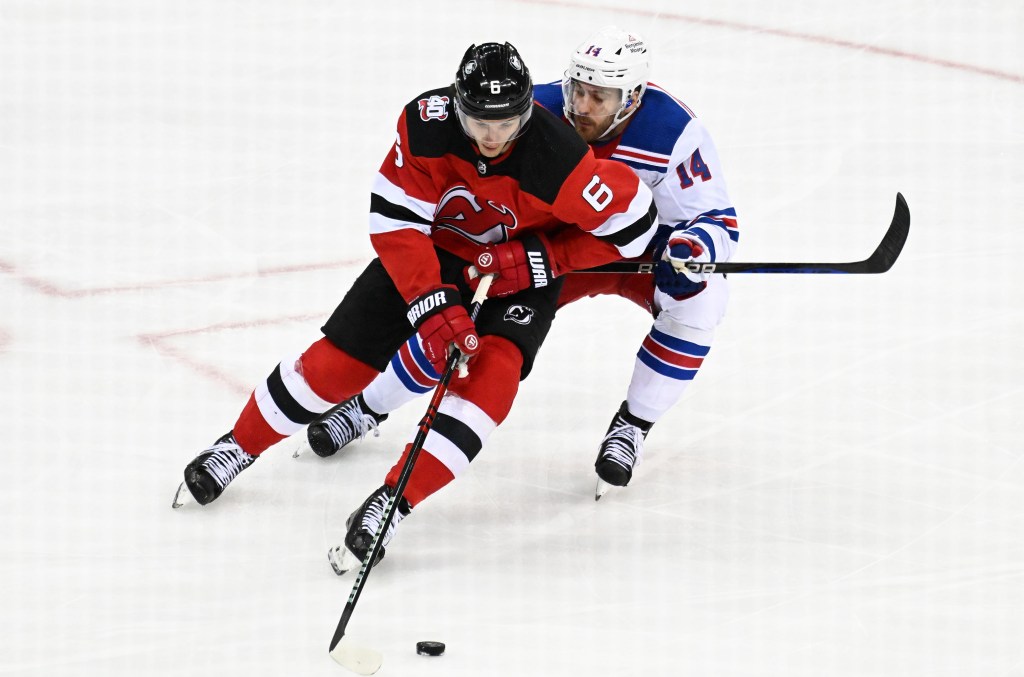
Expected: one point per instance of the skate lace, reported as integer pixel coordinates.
(226, 461)
(374, 514)
(623, 444)
(350, 422)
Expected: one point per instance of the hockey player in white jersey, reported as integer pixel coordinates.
(606, 96)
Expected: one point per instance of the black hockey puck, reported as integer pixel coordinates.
(430, 648)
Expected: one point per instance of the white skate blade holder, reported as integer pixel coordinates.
(342, 560)
(181, 497)
(359, 659)
(602, 488)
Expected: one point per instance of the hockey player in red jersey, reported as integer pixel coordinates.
(475, 166)
(606, 96)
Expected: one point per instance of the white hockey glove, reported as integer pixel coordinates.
(671, 274)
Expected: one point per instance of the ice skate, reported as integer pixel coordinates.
(362, 526)
(340, 425)
(211, 472)
(620, 451)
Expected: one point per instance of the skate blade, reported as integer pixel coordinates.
(602, 489)
(342, 560)
(181, 497)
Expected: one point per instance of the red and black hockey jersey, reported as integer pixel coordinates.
(434, 189)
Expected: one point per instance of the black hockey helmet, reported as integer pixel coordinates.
(493, 83)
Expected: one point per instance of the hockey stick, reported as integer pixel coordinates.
(360, 659)
(881, 259)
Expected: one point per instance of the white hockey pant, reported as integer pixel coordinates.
(674, 350)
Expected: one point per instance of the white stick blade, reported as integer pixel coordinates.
(359, 659)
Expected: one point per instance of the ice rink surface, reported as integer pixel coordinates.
(183, 199)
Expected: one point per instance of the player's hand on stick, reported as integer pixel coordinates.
(440, 320)
(516, 265)
(671, 274)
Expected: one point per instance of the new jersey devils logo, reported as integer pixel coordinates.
(482, 222)
(519, 314)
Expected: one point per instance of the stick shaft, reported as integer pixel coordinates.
(426, 423)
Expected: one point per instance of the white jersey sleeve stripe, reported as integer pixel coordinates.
(617, 229)
(391, 208)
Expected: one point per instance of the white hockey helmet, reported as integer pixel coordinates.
(614, 58)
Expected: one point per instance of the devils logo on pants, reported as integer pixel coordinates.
(519, 314)
(482, 222)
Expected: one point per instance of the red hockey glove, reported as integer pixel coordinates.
(440, 319)
(516, 265)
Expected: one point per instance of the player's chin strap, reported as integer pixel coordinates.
(629, 107)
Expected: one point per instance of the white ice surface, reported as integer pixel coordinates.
(183, 197)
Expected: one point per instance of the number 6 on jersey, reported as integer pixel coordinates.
(597, 194)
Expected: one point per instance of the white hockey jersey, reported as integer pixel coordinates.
(673, 154)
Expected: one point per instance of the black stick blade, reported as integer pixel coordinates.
(892, 244)
(881, 259)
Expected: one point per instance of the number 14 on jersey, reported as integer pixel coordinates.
(697, 169)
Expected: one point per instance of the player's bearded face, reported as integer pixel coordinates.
(492, 137)
(593, 109)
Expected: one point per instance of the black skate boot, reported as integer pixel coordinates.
(211, 472)
(620, 450)
(342, 424)
(362, 527)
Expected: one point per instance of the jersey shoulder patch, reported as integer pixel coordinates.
(432, 124)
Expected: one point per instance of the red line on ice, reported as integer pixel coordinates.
(797, 35)
(49, 288)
